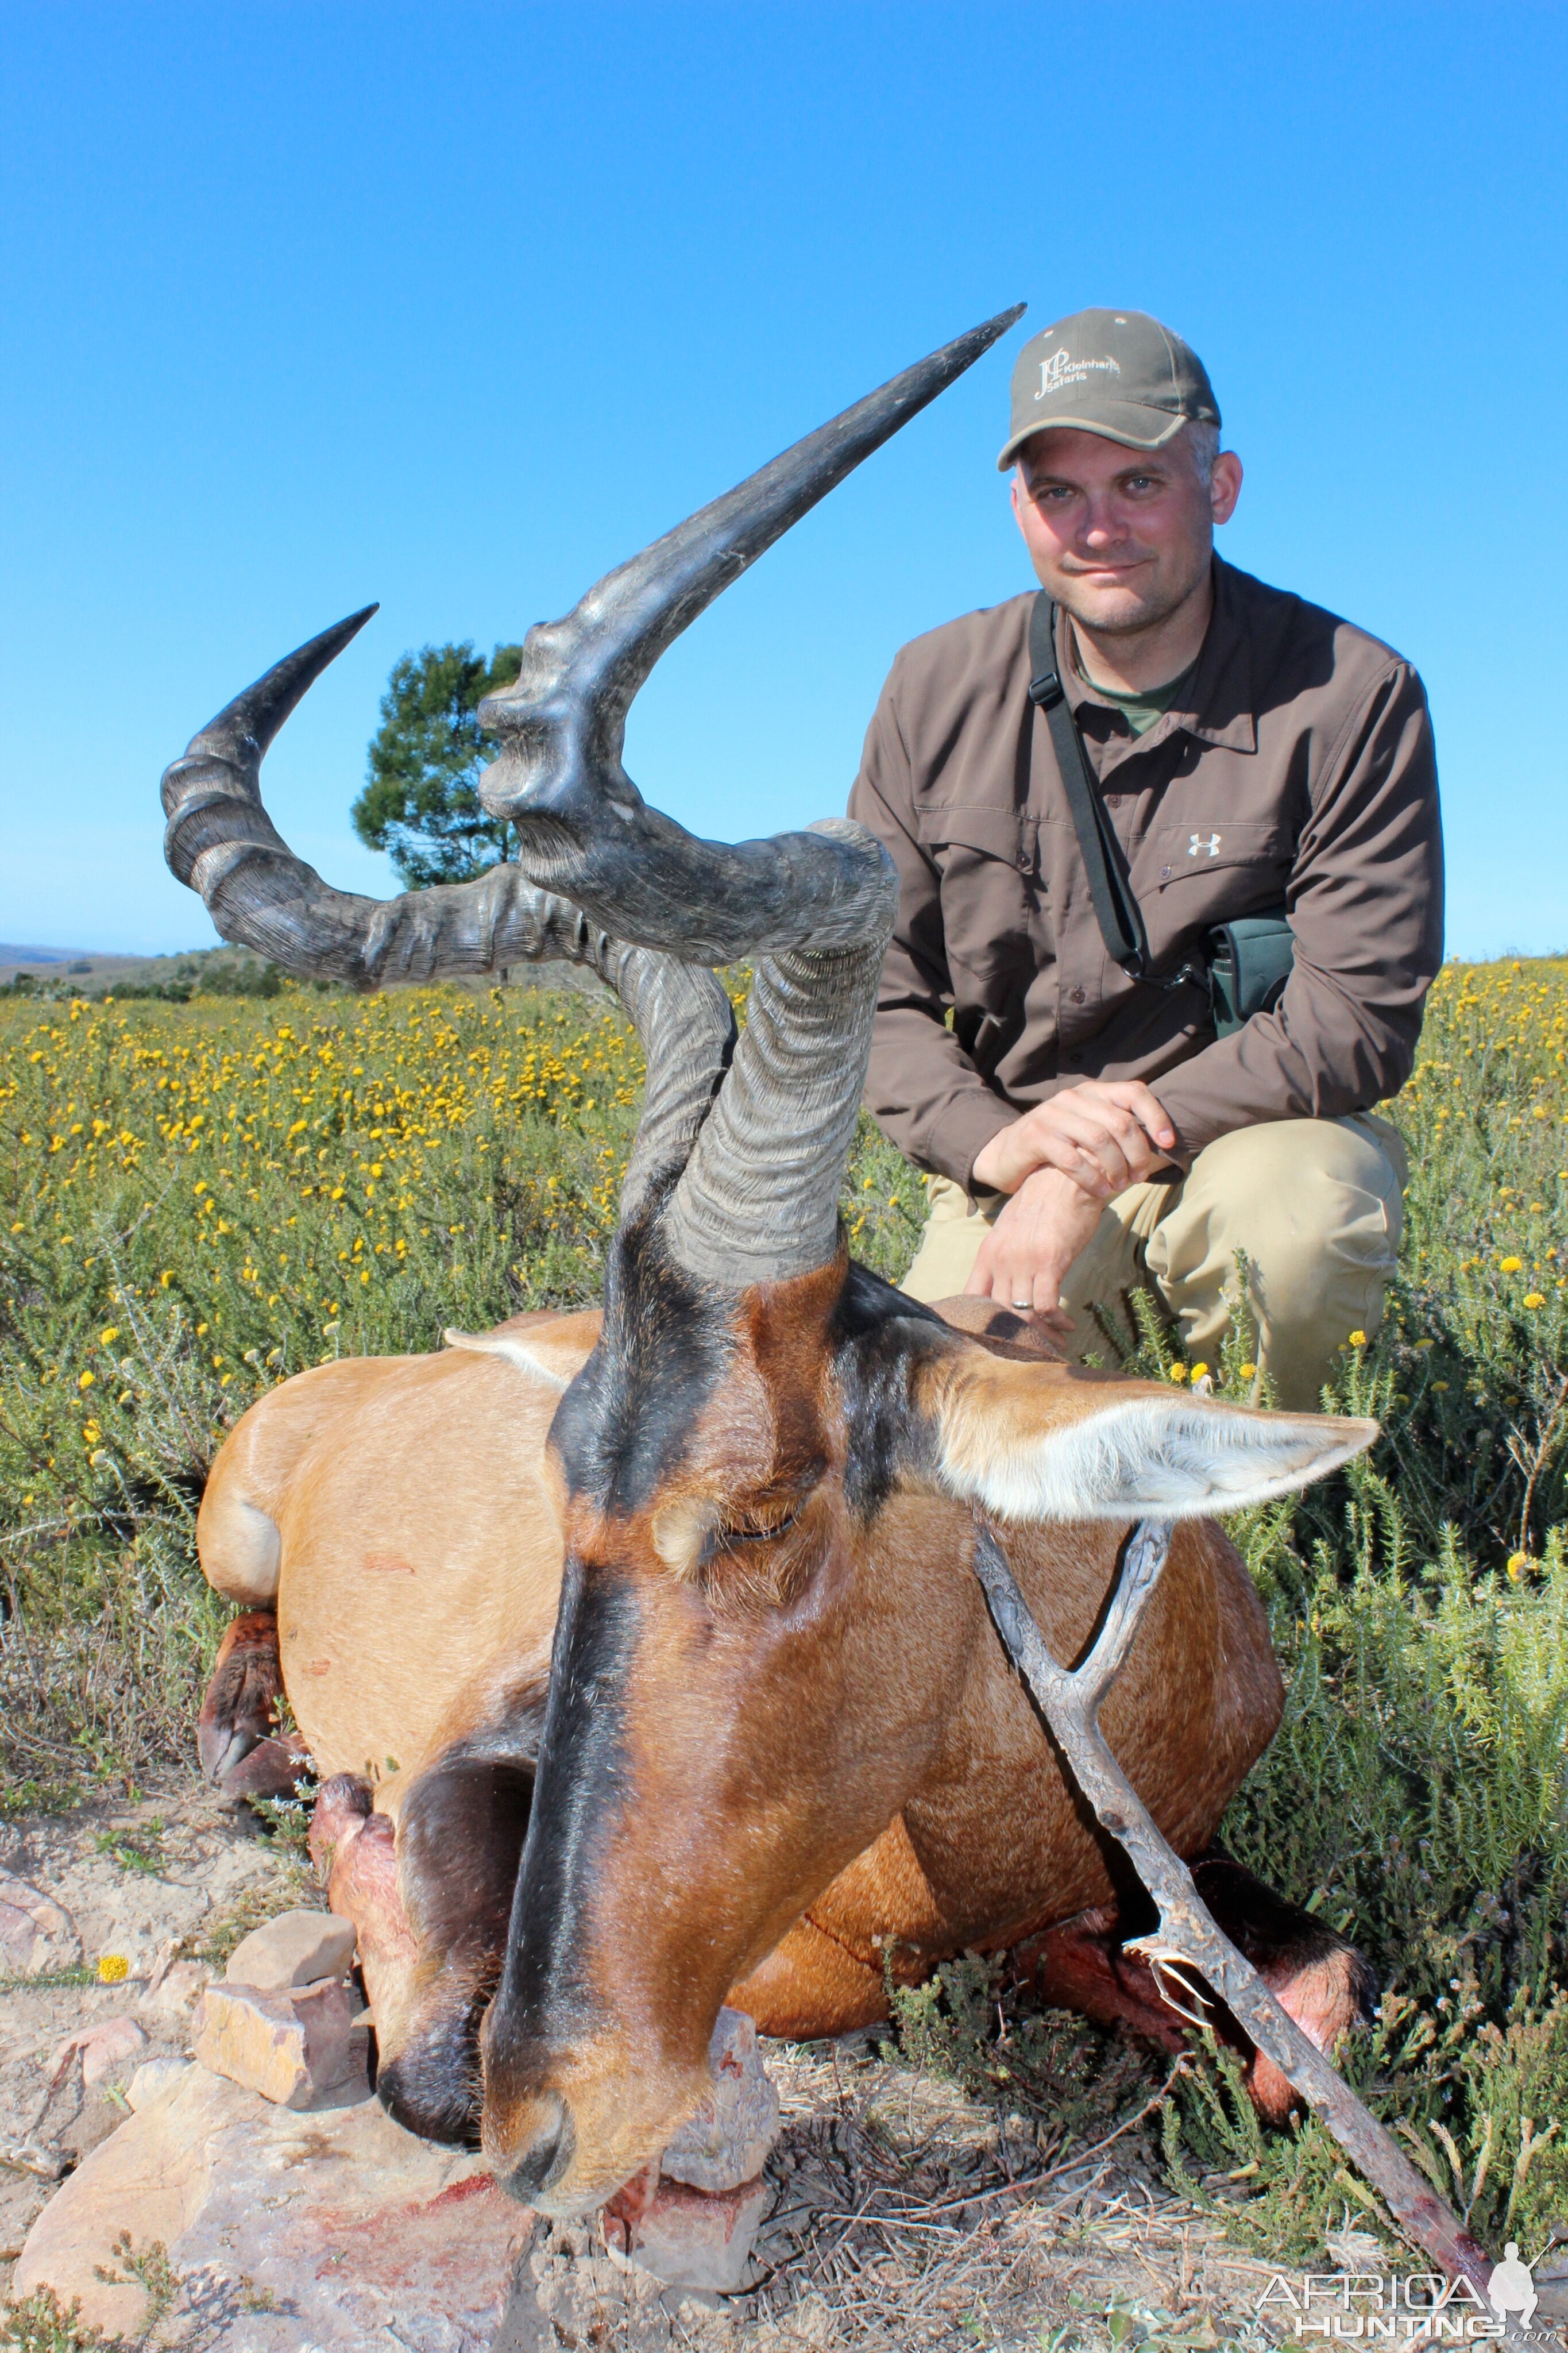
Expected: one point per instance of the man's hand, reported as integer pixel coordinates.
(1026, 1254)
(1103, 1133)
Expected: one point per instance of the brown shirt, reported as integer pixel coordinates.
(1295, 766)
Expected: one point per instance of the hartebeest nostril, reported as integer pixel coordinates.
(542, 2150)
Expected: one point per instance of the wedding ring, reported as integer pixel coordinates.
(1022, 1302)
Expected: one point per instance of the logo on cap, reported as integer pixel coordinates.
(1062, 369)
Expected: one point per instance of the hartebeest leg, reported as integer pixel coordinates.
(240, 1750)
(430, 1900)
(459, 1842)
(1322, 1982)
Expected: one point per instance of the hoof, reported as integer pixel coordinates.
(273, 1769)
(239, 1711)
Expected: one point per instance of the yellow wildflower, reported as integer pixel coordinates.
(1518, 1565)
(1358, 1339)
(1249, 1372)
(85, 1381)
(1535, 1299)
(109, 1334)
(1511, 1265)
(1178, 1371)
(113, 1969)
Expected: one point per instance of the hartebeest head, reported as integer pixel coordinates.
(747, 1463)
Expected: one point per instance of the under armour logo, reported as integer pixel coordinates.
(1198, 844)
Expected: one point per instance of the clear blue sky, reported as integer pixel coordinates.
(457, 306)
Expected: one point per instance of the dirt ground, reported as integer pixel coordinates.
(170, 1878)
(906, 2216)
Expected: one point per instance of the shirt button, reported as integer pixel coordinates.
(1164, 874)
(1113, 800)
(1075, 995)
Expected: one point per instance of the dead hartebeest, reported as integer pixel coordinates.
(654, 1629)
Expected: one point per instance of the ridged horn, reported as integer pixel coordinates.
(583, 827)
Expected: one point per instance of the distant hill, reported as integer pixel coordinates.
(95, 968)
(87, 972)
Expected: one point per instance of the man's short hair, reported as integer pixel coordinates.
(1203, 440)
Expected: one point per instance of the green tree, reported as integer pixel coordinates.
(421, 801)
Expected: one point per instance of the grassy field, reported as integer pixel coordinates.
(201, 1198)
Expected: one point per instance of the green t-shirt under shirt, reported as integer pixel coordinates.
(1151, 702)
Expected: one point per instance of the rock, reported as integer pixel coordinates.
(176, 1995)
(154, 2080)
(35, 1934)
(336, 2231)
(105, 2046)
(727, 2142)
(689, 2238)
(297, 2049)
(297, 1949)
(568, 2291)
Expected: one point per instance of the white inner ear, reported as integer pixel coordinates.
(1179, 1459)
(557, 1368)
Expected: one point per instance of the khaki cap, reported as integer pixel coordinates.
(1116, 372)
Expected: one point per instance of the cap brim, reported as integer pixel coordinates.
(1135, 428)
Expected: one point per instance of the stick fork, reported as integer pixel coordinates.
(1189, 1934)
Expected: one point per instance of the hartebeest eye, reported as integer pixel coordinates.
(759, 1524)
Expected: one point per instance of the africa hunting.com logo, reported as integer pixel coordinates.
(1404, 2308)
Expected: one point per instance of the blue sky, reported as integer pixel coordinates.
(457, 307)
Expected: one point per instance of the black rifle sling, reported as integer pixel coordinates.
(1120, 918)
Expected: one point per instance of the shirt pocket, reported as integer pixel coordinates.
(985, 858)
(1190, 877)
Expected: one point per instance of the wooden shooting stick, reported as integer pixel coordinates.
(1188, 1935)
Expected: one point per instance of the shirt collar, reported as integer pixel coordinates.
(1218, 705)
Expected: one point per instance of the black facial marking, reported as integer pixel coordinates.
(625, 1424)
(881, 1340)
(544, 1992)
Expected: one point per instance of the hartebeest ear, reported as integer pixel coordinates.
(1056, 1443)
(552, 1356)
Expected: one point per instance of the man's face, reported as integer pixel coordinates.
(1120, 537)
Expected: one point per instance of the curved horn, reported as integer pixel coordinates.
(583, 827)
(221, 841)
(758, 1200)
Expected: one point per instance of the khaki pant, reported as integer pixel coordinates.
(1315, 1204)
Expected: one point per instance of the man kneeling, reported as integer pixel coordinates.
(1170, 901)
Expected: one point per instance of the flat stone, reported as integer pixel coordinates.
(727, 2142)
(35, 1934)
(105, 2047)
(689, 2238)
(338, 2232)
(297, 1949)
(296, 2049)
(154, 2080)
